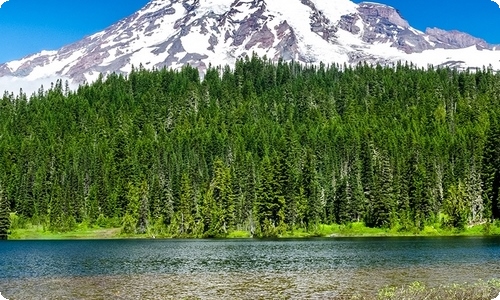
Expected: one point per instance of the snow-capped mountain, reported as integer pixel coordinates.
(173, 33)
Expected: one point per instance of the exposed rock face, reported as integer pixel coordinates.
(263, 38)
(287, 47)
(455, 39)
(348, 23)
(5, 71)
(253, 25)
(384, 24)
(172, 33)
(320, 24)
(373, 13)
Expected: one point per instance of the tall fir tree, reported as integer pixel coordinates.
(491, 170)
(4, 216)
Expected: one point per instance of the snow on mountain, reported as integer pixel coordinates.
(172, 33)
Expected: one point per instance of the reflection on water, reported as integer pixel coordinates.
(238, 269)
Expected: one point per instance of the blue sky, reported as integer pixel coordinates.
(29, 26)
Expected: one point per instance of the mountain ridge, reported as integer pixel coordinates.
(173, 33)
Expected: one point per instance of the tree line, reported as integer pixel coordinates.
(261, 147)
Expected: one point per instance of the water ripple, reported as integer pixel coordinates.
(238, 269)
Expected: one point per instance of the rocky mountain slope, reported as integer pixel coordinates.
(173, 33)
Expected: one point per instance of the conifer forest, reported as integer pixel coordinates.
(260, 147)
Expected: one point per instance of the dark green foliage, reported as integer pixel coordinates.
(271, 199)
(219, 202)
(4, 216)
(144, 209)
(455, 206)
(381, 198)
(184, 216)
(310, 191)
(491, 168)
(263, 148)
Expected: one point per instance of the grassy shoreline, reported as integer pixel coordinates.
(38, 232)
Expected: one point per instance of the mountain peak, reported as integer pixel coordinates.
(173, 33)
(377, 11)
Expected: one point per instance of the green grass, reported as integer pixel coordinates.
(356, 229)
(359, 229)
(480, 290)
(239, 234)
(297, 233)
(38, 232)
(325, 230)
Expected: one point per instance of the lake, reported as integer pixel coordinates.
(322, 268)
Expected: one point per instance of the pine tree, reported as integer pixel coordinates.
(4, 216)
(343, 196)
(456, 207)
(491, 170)
(381, 197)
(218, 203)
(265, 202)
(310, 191)
(185, 218)
(130, 219)
(56, 215)
(143, 213)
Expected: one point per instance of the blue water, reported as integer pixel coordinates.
(361, 261)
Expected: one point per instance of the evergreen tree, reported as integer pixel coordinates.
(143, 214)
(218, 202)
(343, 195)
(455, 206)
(491, 170)
(131, 217)
(266, 205)
(185, 218)
(310, 190)
(4, 216)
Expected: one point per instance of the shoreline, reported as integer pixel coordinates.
(324, 231)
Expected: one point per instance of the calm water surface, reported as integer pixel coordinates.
(238, 269)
